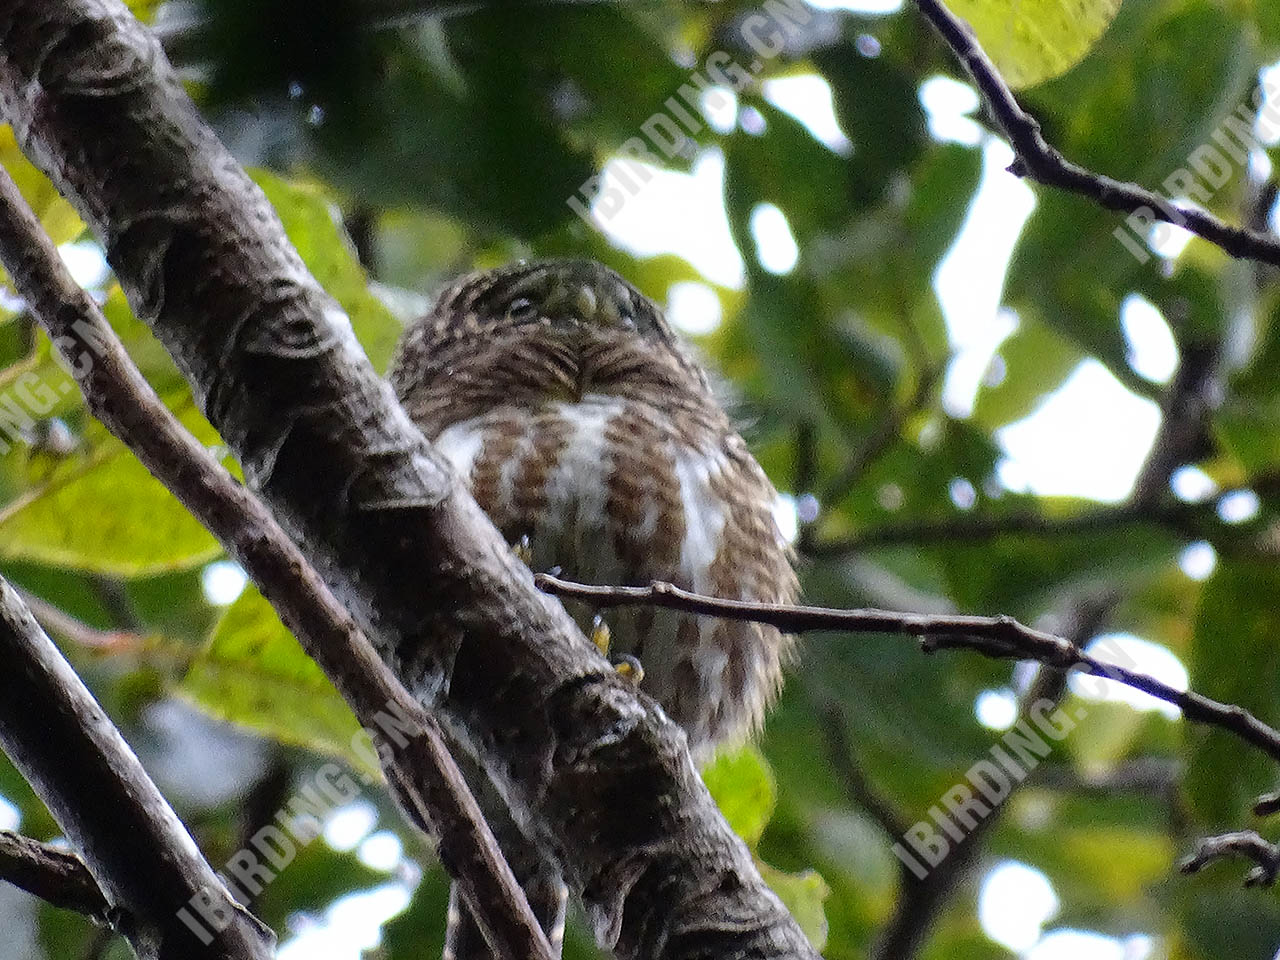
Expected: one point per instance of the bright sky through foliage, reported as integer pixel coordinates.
(1014, 904)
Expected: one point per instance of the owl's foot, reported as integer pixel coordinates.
(601, 635)
(523, 550)
(628, 667)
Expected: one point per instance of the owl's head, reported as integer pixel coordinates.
(536, 331)
(562, 295)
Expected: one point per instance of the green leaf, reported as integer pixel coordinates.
(100, 510)
(1033, 40)
(253, 673)
(743, 786)
(1234, 659)
(311, 220)
(1036, 360)
(803, 894)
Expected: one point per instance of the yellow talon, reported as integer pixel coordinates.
(629, 668)
(601, 635)
(523, 550)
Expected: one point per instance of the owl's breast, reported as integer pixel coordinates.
(610, 491)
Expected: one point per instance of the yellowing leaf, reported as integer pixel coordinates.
(253, 673)
(57, 216)
(803, 894)
(99, 509)
(1035, 40)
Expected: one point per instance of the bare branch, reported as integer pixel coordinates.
(65, 625)
(1244, 843)
(1040, 161)
(426, 776)
(56, 876)
(140, 855)
(1001, 637)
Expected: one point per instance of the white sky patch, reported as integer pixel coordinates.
(1074, 944)
(381, 851)
(752, 121)
(680, 213)
(787, 516)
(970, 279)
(1134, 653)
(1015, 903)
(1168, 239)
(693, 308)
(345, 827)
(776, 246)
(720, 107)
(1198, 560)
(222, 582)
(1270, 79)
(858, 6)
(962, 493)
(1153, 353)
(807, 97)
(350, 926)
(84, 260)
(1192, 485)
(1089, 438)
(948, 104)
(1260, 166)
(1239, 506)
(10, 816)
(996, 709)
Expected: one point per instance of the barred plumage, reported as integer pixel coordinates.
(576, 416)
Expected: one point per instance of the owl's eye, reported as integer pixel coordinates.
(523, 310)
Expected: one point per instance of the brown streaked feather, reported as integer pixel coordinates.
(578, 418)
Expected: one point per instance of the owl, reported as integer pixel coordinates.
(578, 420)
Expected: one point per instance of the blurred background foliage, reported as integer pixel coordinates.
(973, 396)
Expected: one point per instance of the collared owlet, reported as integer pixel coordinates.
(579, 420)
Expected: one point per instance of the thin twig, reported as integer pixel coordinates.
(1244, 843)
(885, 432)
(1040, 161)
(77, 631)
(857, 786)
(56, 876)
(1001, 637)
(121, 398)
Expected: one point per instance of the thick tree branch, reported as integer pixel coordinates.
(423, 772)
(55, 876)
(1001, 637)
(274, 364)
(140, 855)
(1040, 161)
